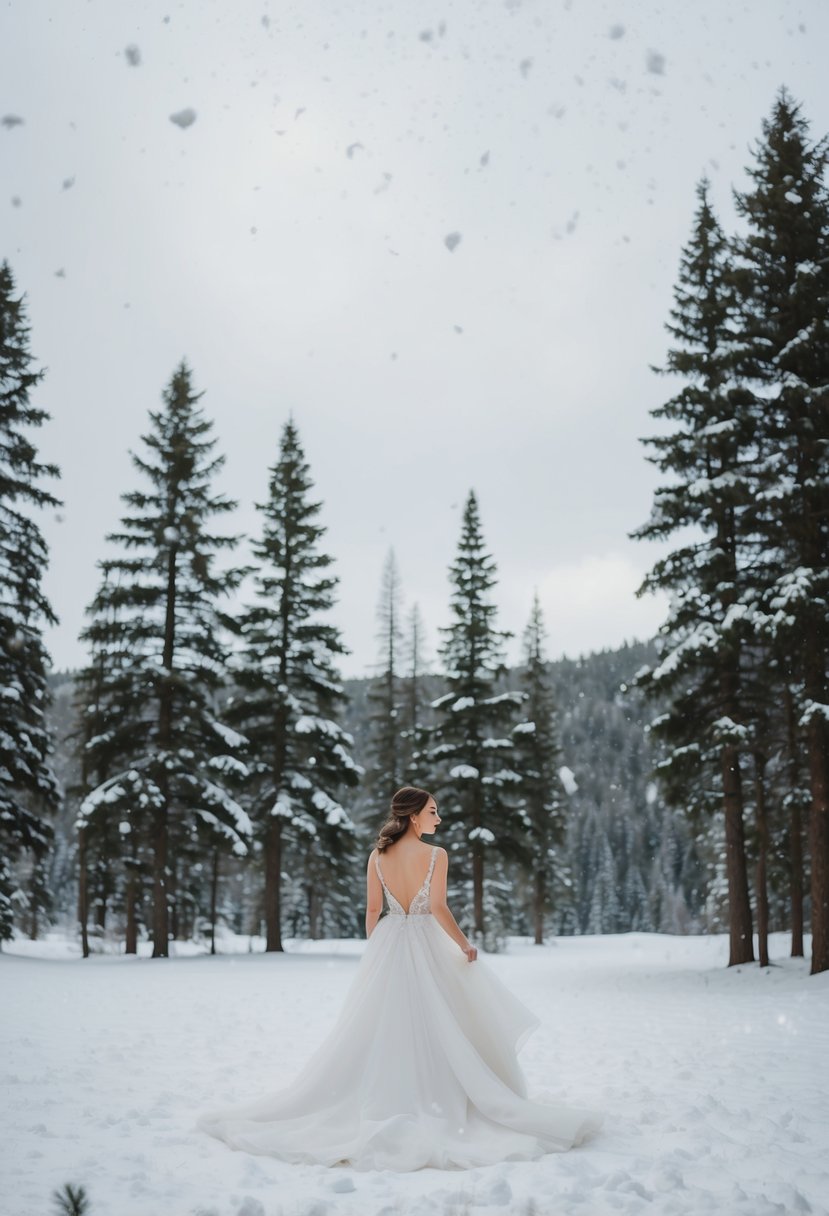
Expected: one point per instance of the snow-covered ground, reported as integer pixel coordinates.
(714, 1082)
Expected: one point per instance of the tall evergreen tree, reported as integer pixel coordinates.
(471, 747)
(163, 754)
(782, 275)
(414, 697)
(709, 455)
(28, 789)
(289, 696)
(541, 792)
(110, 842)
(385, 746)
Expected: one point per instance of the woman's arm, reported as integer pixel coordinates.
(374, 895)
(440, 908)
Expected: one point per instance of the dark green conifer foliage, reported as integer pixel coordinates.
(708, 454)
(155, 741)
(28, 789)
(290, 693)
(782, 277)
(471, 751)
(542, 797)
(71, 1201)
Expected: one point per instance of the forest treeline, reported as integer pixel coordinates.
(214, 769)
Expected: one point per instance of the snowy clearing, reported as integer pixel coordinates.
(713, 1082)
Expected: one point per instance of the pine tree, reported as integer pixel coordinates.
(385, 746)
(414, 699)
(471, 745)
(782, 276)
(708, 453)
(71, 1201)
(289, 696)
(158, 747)
(100, 713)
(541, 793)
(28, 789)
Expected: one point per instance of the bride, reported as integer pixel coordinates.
(420, 1067)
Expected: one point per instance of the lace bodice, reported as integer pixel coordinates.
(421, 904)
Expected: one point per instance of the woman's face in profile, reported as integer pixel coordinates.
(428, 819)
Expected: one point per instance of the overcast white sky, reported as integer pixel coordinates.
(290, 243)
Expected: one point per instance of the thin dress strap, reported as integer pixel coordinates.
(432, 863)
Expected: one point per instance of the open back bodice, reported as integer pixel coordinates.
(421, 904)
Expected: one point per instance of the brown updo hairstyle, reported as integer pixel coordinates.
(405, 803)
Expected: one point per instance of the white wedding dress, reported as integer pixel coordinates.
(419, 1069)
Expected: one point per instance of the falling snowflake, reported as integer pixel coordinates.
(655, 62)
(352, 148)
(616, 31)
(452, 240)
(184, 118)
(524, 67)
(68, 183)
(484, 160)
(132, 55)
(11, 120)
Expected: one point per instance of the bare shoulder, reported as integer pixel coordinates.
(441, 854)
(372, 855)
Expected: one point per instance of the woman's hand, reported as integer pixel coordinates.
(471, 952)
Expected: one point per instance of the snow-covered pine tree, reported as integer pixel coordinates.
(28, 789)
(414, 697)
(471, 750)
(782, 275)
(542, 796)
(287, 706)
(708, 455)
(113, 851)
(384, 772)
(162, 755)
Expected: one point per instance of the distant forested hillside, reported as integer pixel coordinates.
(628, 860)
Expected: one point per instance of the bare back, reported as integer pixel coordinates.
(405, 867)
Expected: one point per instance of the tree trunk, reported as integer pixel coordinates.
(313, 913)
(214, 887)
(477, 864)
(165, 736)
(102, 894)
(131, 939)
(538, 906)
(176, 911)
(761, 884)
(83, 896)
(160, 918)
(795, 830)
(273, 883)
(814, 689)
(741, 945)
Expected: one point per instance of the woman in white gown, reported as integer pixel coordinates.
(420, 1067)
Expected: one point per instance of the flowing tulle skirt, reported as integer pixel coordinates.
(420, 1069)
